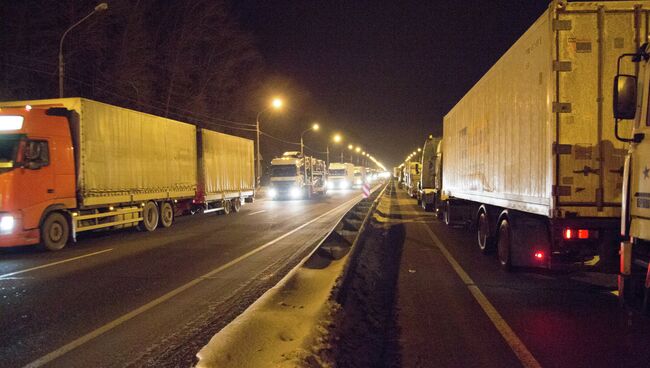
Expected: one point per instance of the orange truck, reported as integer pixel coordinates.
(73, 165)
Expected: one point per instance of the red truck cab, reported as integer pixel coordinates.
(37, 177)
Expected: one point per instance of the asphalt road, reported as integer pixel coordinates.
(127, 298)
(457, 308)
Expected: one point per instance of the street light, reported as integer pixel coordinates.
(99, 7)
(276, 104)
(337, 139)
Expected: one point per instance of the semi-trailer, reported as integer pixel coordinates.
(530, 154)
(412, 174)
(72, 165)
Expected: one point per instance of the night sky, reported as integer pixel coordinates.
(385, 72)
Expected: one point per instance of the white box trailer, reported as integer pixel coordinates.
(529, 152)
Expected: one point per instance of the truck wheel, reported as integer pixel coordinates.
(166, 214)
(236, 205)
(226, 207)
(149, 217)
(504, 244)
(55, 232)
(485, 242)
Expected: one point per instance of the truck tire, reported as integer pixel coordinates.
(149, 217)
(55, 232)
(484, 240)
(504, 245)
(226, 207)
(166, 214)
(236, 205)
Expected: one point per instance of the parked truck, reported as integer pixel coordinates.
(632, 102)
(294, 176)
(340, 175)
(430, 179)
(412, 173)
(73, 165)
(529, 153)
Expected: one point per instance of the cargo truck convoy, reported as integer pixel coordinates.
(529, 154)
(294, 177)
(632, 102)
(340, 175)
(73, 165)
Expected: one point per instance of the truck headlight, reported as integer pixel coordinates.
(272, 192)
(6, 224)
(331, 185)
(344, 184)
(295, 192)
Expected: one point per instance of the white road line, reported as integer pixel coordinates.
(256, 212)
(517, 346)
(54, 263)
(111, 325)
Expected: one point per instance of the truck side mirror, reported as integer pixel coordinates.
(624, 96)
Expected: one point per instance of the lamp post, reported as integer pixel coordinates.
(277, 105)
(99, 7)
(350, 147)
(357, 150)
(314, 127)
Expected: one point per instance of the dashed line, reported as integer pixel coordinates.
(256, 212)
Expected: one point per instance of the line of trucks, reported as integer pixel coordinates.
(548, 154)
(73, 165)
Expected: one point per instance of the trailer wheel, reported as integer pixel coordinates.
(149, 217)
(166, 214)
(226, 207)
(55, 232)
(236, 205)
(504, 244)
(485, 241)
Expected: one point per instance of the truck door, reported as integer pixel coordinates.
(589, 158)
(36, 177)
(640, 180)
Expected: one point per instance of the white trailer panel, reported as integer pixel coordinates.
(535, 133)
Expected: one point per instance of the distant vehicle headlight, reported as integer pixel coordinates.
(344, 184)
(331, 185)
(7, 224)
(272, 192)
(295, 192)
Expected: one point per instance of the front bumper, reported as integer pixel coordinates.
(20, 237)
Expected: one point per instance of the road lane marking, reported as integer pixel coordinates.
(124, 318)
(521, 351)
(256, 212)
(54, 263)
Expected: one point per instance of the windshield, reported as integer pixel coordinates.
(283, 170)
(8, 150)
(337, 172)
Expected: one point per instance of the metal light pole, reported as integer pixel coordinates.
(314, 127)
(98, 8)
(275, 104)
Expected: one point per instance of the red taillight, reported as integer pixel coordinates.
(539, 255)
(568, 233)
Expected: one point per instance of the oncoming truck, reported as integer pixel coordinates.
(73, 165)
(340, 175)
(529, 153)
(294, 176)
